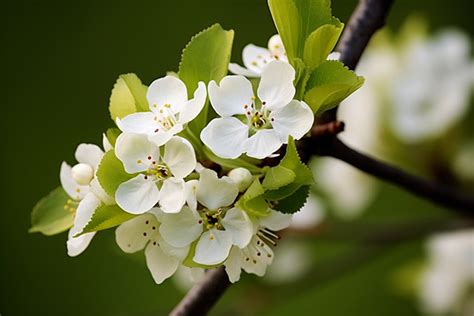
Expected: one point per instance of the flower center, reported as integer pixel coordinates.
(257, 117)
(158, 171)
(165, 117)
(212, 219)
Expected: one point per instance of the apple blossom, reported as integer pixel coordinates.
(169, 107)
(157, 178)
(265, 122)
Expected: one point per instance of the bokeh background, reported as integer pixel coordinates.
(60, 60)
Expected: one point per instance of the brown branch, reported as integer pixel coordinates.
(434, 192)
(200, 299)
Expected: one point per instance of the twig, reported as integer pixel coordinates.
(434, 192)
(200, 299)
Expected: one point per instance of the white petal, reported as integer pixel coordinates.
(275, 45)
(137, 195)
(213, 247)
(179, 253)
(193, 107)
(190, 189)
(334, 56)
(136, 152)
(233, 265)
(72, 188)
(164, 135)
(225, 137)
(89, 154)
(295, 119)
(264, 143)
(239, 70)
(85, 210)
(181, 229)
(213, 192)
(239, 225)
(159, 263)
(134, 234)
(256, 58)
(106, 143)
(172, 195)
(99, 192)
(179, 156)
(231, 96)
(138, 123)
(276, 86)
(168, 90)
(276, 221)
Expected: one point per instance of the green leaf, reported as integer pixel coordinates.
(296, 20)
(277, 177)
(111, 173)
(321, 43)
(301, 77)
(253, 201)
(329, 84)
(205, 58)
(112, 134)
(295, 202)
(232, 163)
(303, 175)
(104, 217)
(53, 214)
(128, 96)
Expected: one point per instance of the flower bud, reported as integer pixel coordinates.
(82, 173)
(242, 177)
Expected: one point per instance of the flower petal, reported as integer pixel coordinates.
(295, 119)
(233, 265)
(239, 70)
(276, 86)
(191, 192)
(137, 195)
(181, 229)
(179, 156)
(134, 234)
(276, 221)
(239, 225)
(89, 154)
(231, 96)
(72, 188)
(225, 137)
(193, 107)
(85, 210)
(135, 150)
(163, 135)
(275, 46)
(138, 123)
(213, 247)
(172, 195)
(100, 192)
(159, 263)
(256, 58)
(263, 144)
(213, 192)
(169, 91)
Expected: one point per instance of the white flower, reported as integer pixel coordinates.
(215, 223)
(450, 273)
(80, 184)
(266, 122)
(432, 91)
(242, 177)
(143, 232)
(258, 255)
(257, 58)
(158, 178)
(170, 110)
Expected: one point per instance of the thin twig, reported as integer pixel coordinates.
(200, 299)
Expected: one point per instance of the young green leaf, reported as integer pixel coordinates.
(111, 173)
(205, 58)
(277, 177)
(329, 84)
(295, 202)
(128, 96)
(112, 134)
(106, 216)
(53, 214)
(320, 44)
(253, 201)
(296, 20)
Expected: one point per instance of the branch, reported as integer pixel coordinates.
(434, 192)
(368, 18)
(200, 299)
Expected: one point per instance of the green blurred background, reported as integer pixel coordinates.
(60, 60)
